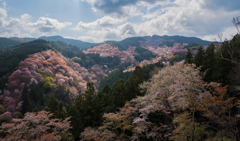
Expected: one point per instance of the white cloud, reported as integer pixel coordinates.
(3, 13)
(227, 34)
(187, 18)
(22, 27)
(46, 25)
(181, 17)
(106, 21)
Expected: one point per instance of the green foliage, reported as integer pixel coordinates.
(113, 77)
(56, 107)
(39, 71)
(49, 79)
(76, 59)
(118, 74)
(47, 86)
(2, 109)
(177, 57)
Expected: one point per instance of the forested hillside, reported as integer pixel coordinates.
(5, 43)
(96, 95)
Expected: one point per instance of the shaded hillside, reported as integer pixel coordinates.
(5, 43)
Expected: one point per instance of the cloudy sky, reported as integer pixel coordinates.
(101, 20)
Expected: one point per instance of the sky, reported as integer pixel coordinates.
(101, 20)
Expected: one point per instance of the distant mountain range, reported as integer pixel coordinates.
(154, 41)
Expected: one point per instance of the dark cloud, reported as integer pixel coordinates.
(228, 5)
(116, 6)
(46, 29)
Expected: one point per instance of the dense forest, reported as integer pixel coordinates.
(194, 100)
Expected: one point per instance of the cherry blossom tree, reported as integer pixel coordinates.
(35, 126)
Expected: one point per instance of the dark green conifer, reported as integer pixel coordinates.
(209, 63)
(132, 84)
(189, 57)
(118, 93)
(27, 103)
(199, 58)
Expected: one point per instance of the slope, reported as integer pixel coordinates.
(5, 43)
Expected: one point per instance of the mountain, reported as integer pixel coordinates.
(156, 41)
(29, 39)
(74, 42)
(48, 71)
(187, 39)
(148, 49)
(77, 43)
(5, 42)
(11, 57)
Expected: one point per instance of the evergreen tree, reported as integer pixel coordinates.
(209, 63)
(90, 106)
(35, 93)
(76, 122)
(61, 112)
(118, 94)
(188, 58)
(222, 67)
(53, 105)
(27, 103)
(1, 85)
(131, 85)
(104, 98)
(106, 89)
(199, 58)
